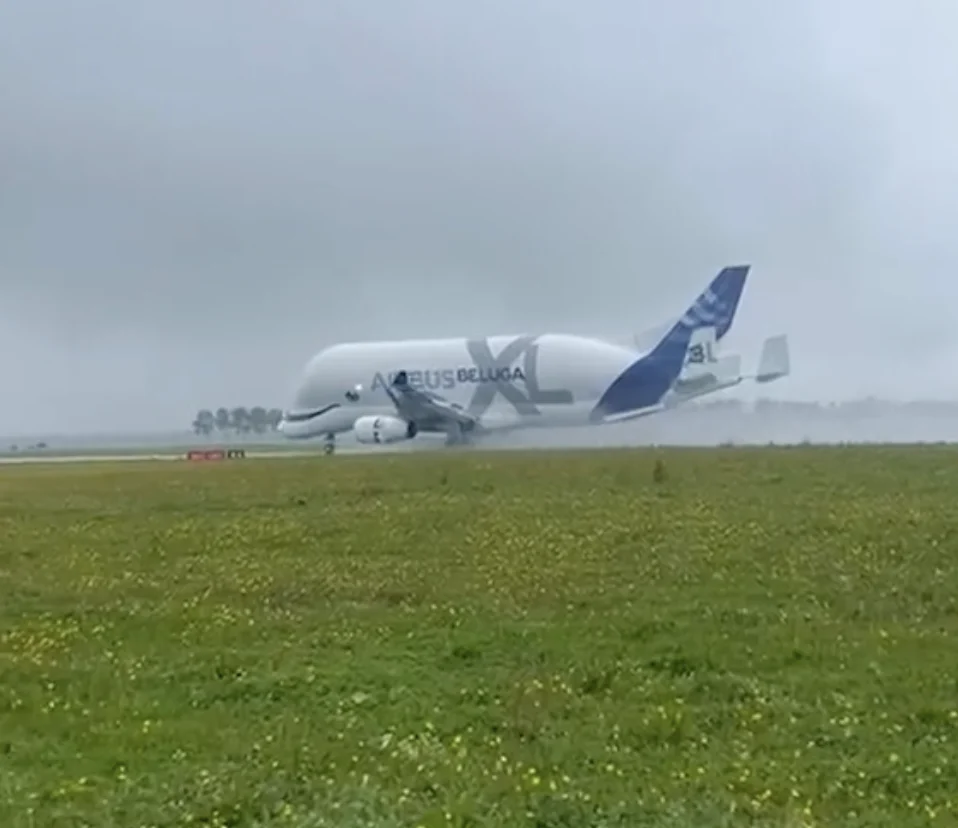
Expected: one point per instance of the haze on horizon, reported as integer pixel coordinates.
(196, 197)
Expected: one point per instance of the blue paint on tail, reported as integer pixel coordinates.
(645, 381)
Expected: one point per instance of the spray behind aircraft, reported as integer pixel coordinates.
(391, 391)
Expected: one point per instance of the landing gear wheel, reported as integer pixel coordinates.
(456, 436)
(330, 445)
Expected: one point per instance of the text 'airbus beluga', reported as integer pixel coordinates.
(391, 391)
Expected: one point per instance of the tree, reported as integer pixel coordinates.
(204, 423)
(240, 420)
(222, 419)
(257, 419)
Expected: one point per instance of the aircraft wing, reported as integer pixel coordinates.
(424, 407)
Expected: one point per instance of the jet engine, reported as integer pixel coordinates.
(383, 430)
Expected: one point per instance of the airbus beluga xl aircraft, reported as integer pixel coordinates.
(390, 391)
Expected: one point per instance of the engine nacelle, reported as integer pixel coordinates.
(371, 429)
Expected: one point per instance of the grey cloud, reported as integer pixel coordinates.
(216, 190)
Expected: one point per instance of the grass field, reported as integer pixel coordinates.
(765, 637)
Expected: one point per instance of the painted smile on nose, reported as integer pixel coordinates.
(306, 416)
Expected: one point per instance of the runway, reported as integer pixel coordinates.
(125, 457)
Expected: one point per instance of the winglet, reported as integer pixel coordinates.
(401, 380)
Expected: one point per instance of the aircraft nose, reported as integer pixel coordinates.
(292, 427)
(293, 430)
(306, 423)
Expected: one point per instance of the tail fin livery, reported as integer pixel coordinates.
(645, 382)
(717, 304)
(700, 358)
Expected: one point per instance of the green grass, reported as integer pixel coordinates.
(763, 637)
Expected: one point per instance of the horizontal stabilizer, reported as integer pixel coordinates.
(774, 362)
(729, 368)
(722, 373)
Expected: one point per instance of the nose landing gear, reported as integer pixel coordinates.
(329, 444)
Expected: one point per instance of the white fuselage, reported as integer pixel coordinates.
(507, 381)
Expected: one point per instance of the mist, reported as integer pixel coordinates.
(194, 198)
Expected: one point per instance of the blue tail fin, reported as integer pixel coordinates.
(717, 304)
(645, 381)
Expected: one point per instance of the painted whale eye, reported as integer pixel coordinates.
(352, 395)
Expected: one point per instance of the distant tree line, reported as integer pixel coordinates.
(239, 420)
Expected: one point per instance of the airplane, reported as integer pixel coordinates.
(392, 391)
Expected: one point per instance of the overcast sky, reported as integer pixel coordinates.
(196, 196)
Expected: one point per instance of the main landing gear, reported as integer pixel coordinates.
(329, 444)
(456, 435)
